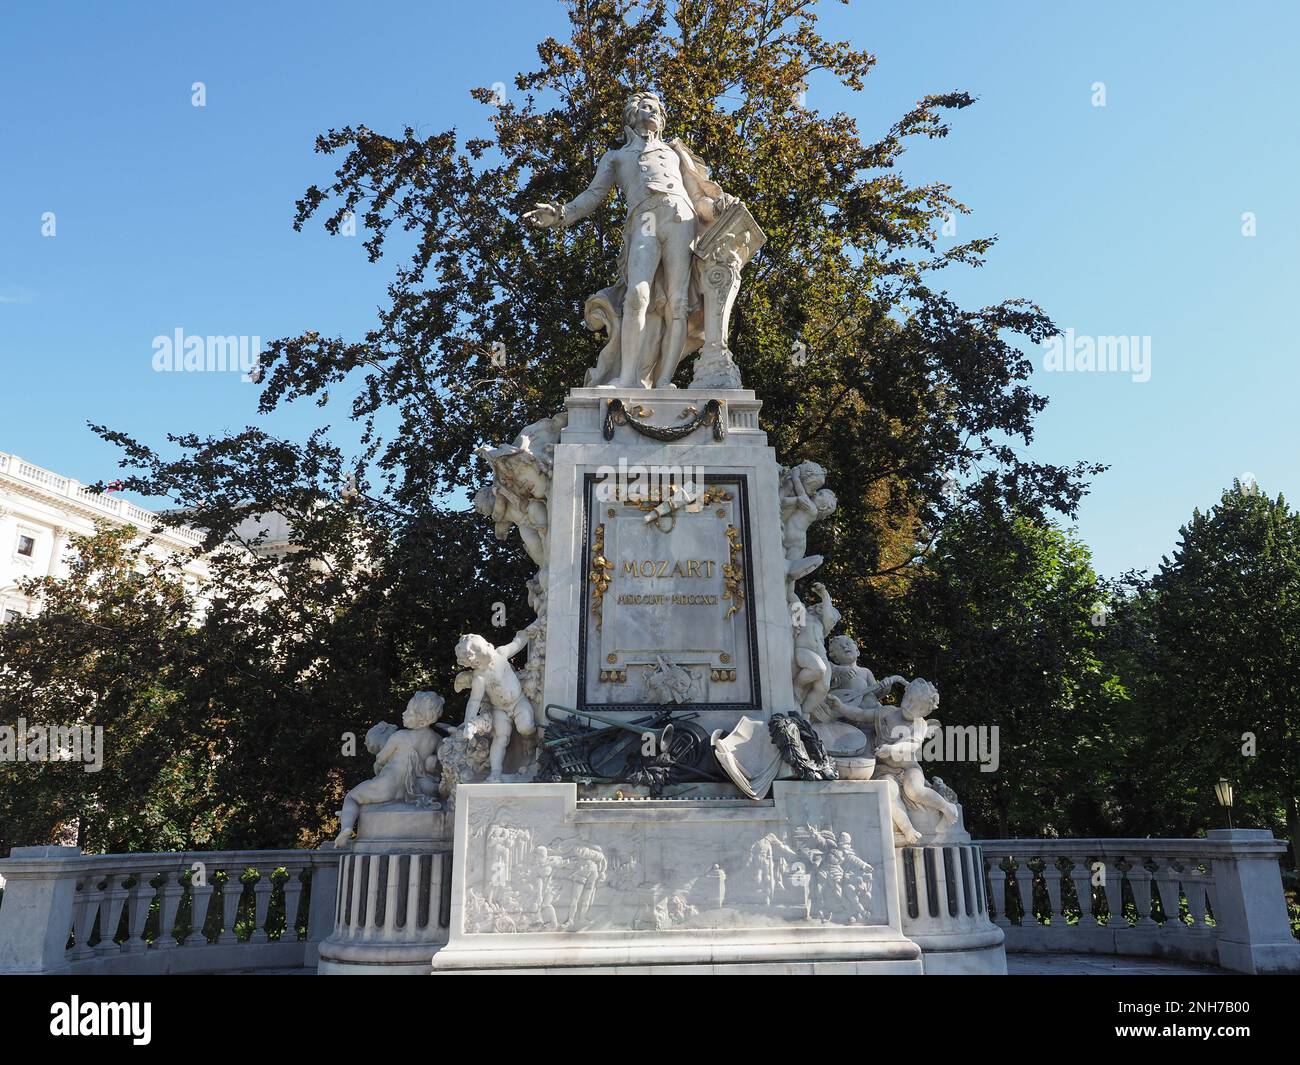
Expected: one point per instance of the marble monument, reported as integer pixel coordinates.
(676, 765)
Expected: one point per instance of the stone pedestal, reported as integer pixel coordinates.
(944, 898)
(1250, 906)
(32, 938)
(803, 882)
(700, 583)
(392, 908)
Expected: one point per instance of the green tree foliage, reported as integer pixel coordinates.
(107, 650)
(1008, 617)
(1220, 664)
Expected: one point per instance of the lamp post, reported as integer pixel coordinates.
(1223, 792)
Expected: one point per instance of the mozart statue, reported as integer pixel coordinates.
(655, 314)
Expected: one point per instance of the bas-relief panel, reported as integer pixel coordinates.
(528, 869)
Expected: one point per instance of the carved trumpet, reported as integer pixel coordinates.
(662, 736)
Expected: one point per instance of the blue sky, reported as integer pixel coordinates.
(1119, 220)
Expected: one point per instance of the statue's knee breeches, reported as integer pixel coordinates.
(638, 298)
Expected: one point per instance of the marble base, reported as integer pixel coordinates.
(945, 903)
(988, 960)
(544, 883)
(871, 967)
(391, 913)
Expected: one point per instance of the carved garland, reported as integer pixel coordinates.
(733, 572)
(617, 414)
(601, 568)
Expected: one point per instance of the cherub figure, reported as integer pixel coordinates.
(803, 501)
(540, 437)
(490, 676)
(855, 693)
(521, 485)
(404, 763)
(812, 672)
(902, 731)
(517, 496)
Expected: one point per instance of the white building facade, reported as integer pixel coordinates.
(41, 510)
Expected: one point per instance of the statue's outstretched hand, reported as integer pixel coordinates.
(544, 215)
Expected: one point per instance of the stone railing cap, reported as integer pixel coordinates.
(45, 852)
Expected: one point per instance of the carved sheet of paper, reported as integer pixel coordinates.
(748, 756)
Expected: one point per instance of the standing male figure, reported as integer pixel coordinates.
(668, 192)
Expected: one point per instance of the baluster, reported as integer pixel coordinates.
(231, 893)
(998, 892)
(956, 900)
(1025, 889)
(390, 896)
(89, 896)
(141, 898)
(940, 882)
(200, 906)
(1081, 877)
(1166, 882)
(1212, 895)
(1113, 885)
(341, 909)
(966, 894)
(292, 897)
(262, 888)
(1052, 879)
(1139, 877)
(359, 863)
(413, 892)
(372, 894)
(1194, 885)
(172, 889)
(440, 891)
(110, 912)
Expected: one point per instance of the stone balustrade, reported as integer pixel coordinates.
(1217, 900)
(54, 484)
(202, 911)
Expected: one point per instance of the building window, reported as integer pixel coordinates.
(26, 545)
(12, 615)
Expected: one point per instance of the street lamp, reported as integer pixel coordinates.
(1223, 792)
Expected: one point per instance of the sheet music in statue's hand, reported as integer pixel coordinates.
(733, 230)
